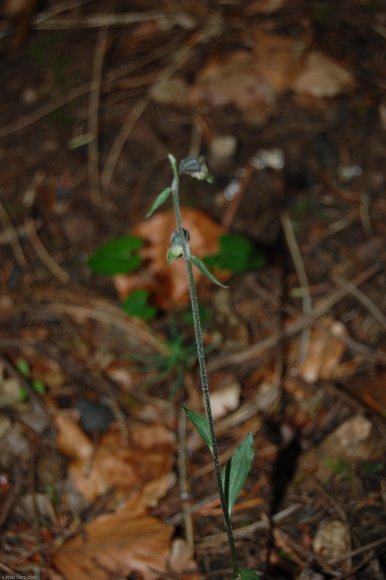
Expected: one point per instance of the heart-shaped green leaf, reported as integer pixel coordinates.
(117, 256)
(137, 304)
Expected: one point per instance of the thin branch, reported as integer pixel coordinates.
(303, 280)
(12, 237)
(45, 257)
(136, 112)
(363, 299)
(93, 127)
(321, 308)
(77, 92)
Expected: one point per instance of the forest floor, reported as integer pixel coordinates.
(100, 474)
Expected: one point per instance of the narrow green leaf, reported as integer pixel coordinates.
(118, 256)
(201, 266)
(236, 471)
(136, 304)
(201, 424)
(173, 163)
(248, 575)
(160, 199)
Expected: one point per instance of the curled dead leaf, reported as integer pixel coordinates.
(116, 545)
(168, 284)
(322, 77)
(233, 79)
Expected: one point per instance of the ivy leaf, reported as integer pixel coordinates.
(117, 256)
(201, 424)
(204, 270)
(237, 253)
(236, 471)
(137, 304)
(160, 199)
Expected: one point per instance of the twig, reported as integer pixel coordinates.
(183, 480)
(45, 257)
(76, 93)
(13, 495)
(115, 151)
(9, 236)
(102, 20)
(303, 280)
(321, 308)
(93, 127)
(217, 539)
(136, 112)
(12, 237)
(363, 299)
(244, 181)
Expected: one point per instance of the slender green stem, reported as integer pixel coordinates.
(202, 365)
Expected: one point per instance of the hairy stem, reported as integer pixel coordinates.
(202, 364)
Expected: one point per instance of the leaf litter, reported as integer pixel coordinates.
(310, 79)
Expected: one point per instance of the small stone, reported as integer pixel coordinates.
(332, 539)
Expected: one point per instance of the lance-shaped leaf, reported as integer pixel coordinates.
(160, 199)
(201, 424)
(236, 471)
(204, 270)
(248, 575)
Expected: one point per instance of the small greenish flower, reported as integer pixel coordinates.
(196, 167)
(175, 249)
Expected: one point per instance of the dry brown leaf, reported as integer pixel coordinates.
(324, 353)
(373, 392)
(233, 79)
(116, 545)
(279, 58)
(181, 562)
(71, 439)
(322, 77)
(263, 7)
(168, 283)
(145, 464)
(354, 440)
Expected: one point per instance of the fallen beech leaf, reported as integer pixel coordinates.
(325, 351)
(322, 77)
(233, 79)
(116, 545)
(263, 7)
(168, 283)
(225, 396)
(279, 58)
(146, 463)
(181, 561)
(354, 440)
(71, 439)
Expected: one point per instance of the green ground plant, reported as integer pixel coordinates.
(231, 479)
